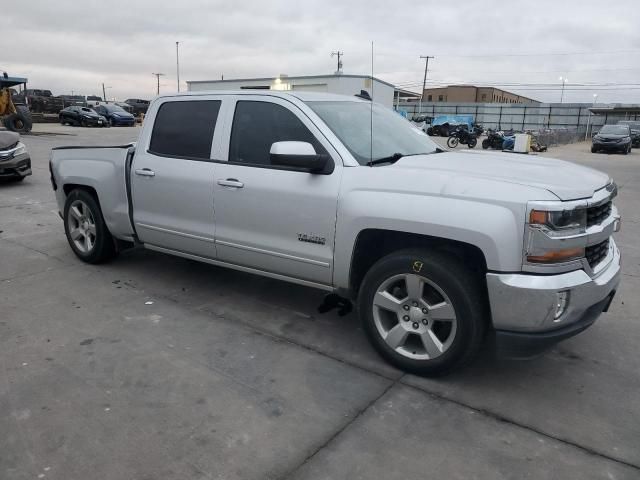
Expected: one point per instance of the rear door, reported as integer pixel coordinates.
(172, 176)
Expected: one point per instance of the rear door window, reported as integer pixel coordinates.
(185, 129)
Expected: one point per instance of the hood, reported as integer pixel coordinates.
(565, 180)
(8, 139)
(610, 136)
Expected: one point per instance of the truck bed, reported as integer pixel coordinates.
(106, 169)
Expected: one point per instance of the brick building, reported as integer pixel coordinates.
(473, 94)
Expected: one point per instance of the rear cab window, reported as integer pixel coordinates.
(184, 129)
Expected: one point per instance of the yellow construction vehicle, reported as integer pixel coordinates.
(15, 115)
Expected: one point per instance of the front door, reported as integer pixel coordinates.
(272, 218)
(172, 177)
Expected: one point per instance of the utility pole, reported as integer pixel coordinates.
(104, 93)
(339, 54)
(158, 75)
(178, 66)
(424, 82)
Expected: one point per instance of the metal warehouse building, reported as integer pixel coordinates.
(383, 92)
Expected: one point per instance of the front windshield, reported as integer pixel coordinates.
(114, 108)
(351, 123)
(615, 129)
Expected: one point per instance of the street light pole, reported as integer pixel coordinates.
(564, 81)
(589, 123)
(178, 66)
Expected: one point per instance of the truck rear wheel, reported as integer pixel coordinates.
(423, 311)
(85, 228)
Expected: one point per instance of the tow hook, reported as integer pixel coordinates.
(334, 300)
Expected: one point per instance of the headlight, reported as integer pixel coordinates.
(20, 150)
(559, 223)
(550, 234)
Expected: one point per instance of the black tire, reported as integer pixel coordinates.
(62, 120)
(20, 122)
(111, 124)
(452, 142)
(594, 149)
(430, 131)
(459, 283)
(486, 144)
(83, 123)
(472, 142)
(103, 247)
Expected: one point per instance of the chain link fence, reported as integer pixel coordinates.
(551, 123)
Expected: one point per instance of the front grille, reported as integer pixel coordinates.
(598, 214)
(597, 253)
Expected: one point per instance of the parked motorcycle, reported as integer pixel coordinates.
(463, 136)
(494, 140)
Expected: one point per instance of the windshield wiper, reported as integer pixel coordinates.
(394, 158)
(390, 159)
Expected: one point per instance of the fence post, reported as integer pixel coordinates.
(579, 112)
(524, 116)
(549, 118)
(500, 119)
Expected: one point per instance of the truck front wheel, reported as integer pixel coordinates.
(85, 228)
(424, 312)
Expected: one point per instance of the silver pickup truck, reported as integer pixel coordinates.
(441, 251)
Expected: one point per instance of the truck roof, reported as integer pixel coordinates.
(304, 96)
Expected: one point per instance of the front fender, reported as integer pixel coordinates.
(495, 229)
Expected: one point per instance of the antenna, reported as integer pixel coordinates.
(339, 54)
(371, 106)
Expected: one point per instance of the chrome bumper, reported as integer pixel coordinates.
(527, 303)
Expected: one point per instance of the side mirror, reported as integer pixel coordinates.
(298, 155)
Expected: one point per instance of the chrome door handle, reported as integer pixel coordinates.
(145, 172)
(231, 182)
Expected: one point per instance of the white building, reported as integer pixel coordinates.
(383, 92)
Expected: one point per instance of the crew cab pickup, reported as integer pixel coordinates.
(441, 251)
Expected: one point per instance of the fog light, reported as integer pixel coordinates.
(562, 300)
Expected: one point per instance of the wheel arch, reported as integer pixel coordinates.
(372, 244)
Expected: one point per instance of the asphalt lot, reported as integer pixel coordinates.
(231, 376)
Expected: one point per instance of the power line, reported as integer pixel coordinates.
(554, 54)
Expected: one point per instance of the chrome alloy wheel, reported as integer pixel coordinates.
(82, 226)
(414, 316)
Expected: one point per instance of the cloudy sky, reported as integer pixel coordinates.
(67, 45)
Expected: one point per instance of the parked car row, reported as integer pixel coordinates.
(43, 101)
(106, 115)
